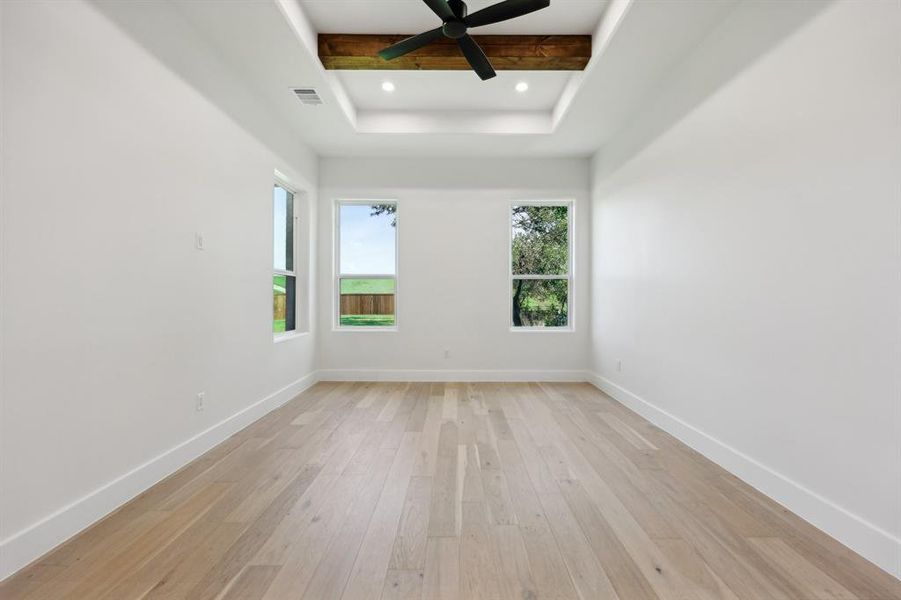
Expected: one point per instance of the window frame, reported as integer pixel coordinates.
(338, 275)
(296, 256)
(570, 267)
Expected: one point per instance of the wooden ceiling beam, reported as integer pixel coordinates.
(342, 51)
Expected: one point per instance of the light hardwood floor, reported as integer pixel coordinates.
(397, 490)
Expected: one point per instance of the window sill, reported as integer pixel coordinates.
(364, 329)
(286, 337)
(542, 330)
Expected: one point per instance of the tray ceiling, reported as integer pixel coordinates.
(412, 16)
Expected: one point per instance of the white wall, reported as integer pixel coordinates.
(453, 290)
(747, 268)
(111, 320)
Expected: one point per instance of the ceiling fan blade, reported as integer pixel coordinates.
(410, 44)
(502, 11)
(477, 59)
(440, 8)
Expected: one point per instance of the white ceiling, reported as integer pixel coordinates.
(453, 90)
(251, 53)
(413, 16)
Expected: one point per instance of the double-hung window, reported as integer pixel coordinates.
(284, 276)
(541, 265)
(366, 280)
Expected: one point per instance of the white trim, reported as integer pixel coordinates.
(337, 203)
(569, 276)
(866, 539)
(284, 181)
(449, 375)
(286, 336)
(364, 328)
(300, 286)
(540, 277)
(29, 544)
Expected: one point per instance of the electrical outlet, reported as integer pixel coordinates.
(198, 406)
(619, 366)
(199, 242)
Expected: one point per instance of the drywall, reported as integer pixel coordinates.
(747, 266)
(453, 288)
(111, 320)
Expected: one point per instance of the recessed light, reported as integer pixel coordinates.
(387, 86)
(522, 86)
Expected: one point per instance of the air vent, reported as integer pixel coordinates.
(308, 96)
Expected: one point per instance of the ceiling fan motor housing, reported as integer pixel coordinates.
(455, 28)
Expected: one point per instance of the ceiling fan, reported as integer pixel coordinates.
(457, 22)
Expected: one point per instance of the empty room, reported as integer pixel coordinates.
(445, 299)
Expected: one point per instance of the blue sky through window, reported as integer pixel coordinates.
(367, 242)
(280, 209)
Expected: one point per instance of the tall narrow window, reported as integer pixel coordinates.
(367, 264)
(541, 265)
(284, 277)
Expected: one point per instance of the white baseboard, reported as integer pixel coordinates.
(24, 547)
(448, 375)
(871, 542)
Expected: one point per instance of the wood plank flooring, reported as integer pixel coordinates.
(362, 491)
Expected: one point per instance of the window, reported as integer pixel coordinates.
(541, 265)
(284, 277)
(366, 264)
